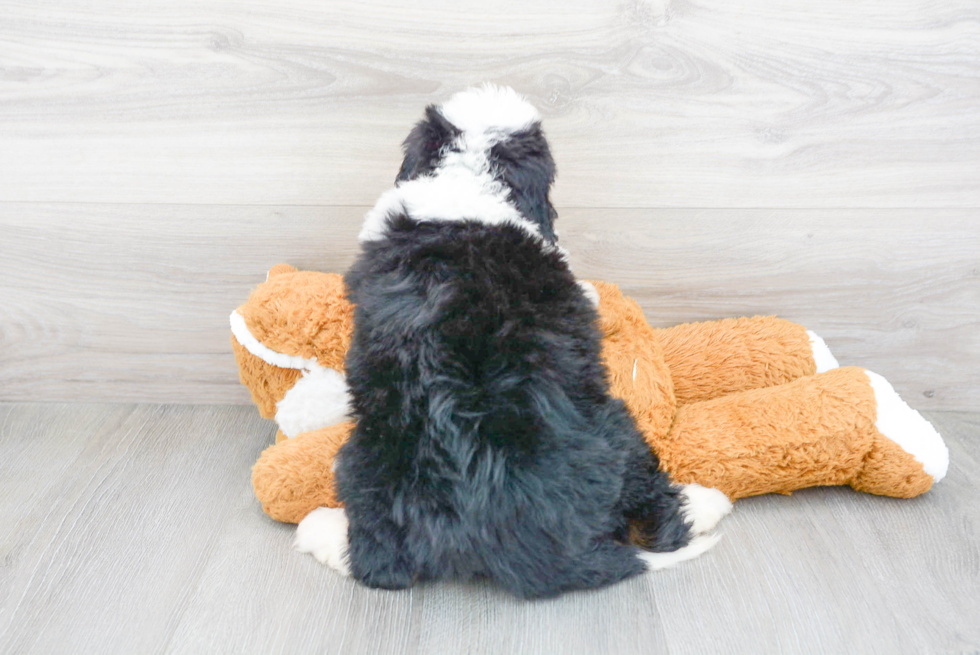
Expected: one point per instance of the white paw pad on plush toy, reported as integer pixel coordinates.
(909, 429)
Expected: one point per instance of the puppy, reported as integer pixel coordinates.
(487, 443)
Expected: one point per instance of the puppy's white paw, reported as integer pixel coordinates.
(822, 357)
(323, 534)
(909, 429)
(698, 545)
(590, 292)
(704, 507)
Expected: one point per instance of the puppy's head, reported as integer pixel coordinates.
(493, 134)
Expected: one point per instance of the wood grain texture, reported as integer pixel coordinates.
(895, 291)
(105, 551)
(130, 303)
(133, 529)
(702, 103)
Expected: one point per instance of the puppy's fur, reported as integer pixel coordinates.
(487, 443)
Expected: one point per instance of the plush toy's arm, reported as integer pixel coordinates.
(715, 358)
(295, 476)
(846, 426)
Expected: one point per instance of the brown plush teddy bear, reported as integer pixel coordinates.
(748, 406)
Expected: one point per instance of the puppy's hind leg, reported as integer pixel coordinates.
(323, 534)
(704, 507)
(378, 557)
(665, 517)
(674, 522)
(654, 507)
(606, 563)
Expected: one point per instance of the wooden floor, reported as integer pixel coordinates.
(133, 529)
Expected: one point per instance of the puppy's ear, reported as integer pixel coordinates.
(424, 145)
(524, 164)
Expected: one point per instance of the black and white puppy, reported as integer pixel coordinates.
(487, 442)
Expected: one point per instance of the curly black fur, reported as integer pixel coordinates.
(524, 164)
(487, 443)
(424, 145)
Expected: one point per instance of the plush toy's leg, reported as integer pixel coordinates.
(822, 357)
(294, 477)
(716, 358)
(904, 437)
(835, 428)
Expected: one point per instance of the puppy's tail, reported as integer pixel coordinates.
(701, 509)
(697, 546)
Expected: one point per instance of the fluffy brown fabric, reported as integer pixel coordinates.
(814, 431)
(716, 358)
(267, 383)
(629, 344)
(730, 404)
(302, 313)
(299, 313)
(294, 477)
(890, 471)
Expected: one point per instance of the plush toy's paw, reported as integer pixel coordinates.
(704, 507)
(698, 545)
(323, 534)
(822, 356)
(909, 429)
(590, 292)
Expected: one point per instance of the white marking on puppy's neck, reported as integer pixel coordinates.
(452, 194)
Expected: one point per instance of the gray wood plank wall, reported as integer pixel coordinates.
(820, 161)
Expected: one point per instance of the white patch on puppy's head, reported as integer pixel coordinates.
(451, 172)
(490, 108)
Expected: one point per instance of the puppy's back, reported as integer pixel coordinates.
(477, 385)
